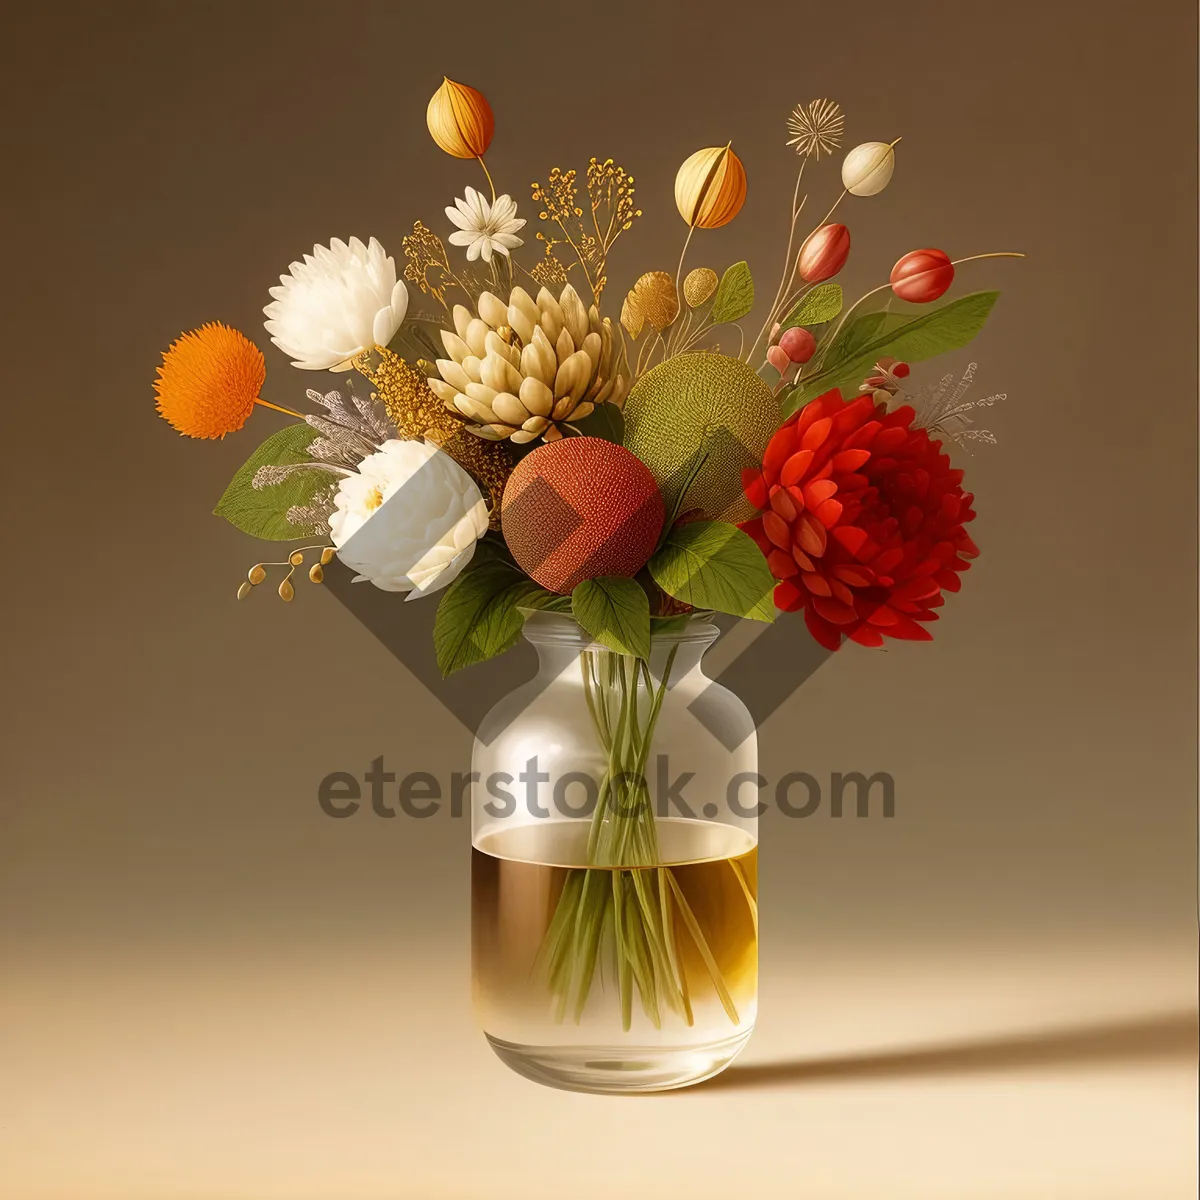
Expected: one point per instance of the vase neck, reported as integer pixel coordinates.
(560, 640)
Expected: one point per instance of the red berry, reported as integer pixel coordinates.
(922, 275)
(900, 370)
(798, 344)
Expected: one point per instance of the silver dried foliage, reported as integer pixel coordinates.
(350, 432)
(347, 434)
(313, 517)
(943, 409)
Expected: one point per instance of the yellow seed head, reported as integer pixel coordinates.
(699, 285)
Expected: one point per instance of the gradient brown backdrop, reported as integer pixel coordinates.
(207, 988)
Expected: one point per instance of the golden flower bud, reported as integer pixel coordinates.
(327, 556)
(245, 590)
(710, 188)
(655, 298)
(315, 573)
(295, 558)
(699, 285)
(460, 120)
(286, 591)
(256, 574)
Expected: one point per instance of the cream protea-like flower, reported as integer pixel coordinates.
(485, 228)
(341, 300)
(523, 370)
(409, 519)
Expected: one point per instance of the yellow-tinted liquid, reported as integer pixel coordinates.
(518, 876)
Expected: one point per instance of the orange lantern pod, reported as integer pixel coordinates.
(460, 120)
(710, 188)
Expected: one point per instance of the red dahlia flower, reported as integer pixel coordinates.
(862, 521)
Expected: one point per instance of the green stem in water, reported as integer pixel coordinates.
(638, 899)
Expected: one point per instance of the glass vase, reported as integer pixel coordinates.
(614, 865)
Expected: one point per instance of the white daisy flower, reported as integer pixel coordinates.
(485, 228)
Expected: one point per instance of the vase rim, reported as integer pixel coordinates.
(545, 626)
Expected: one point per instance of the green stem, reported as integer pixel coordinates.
(693, 926)
(636, 901)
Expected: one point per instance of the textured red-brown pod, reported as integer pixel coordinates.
(580, 508)
(922, 275)
(824, 253)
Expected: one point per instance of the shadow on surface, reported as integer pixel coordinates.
(1154, 1037)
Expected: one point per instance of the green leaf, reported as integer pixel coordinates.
(478, 616)
(863, 330)
(710, 564)
(822, 304)
(605, 422)
(856, 334)
(913, 340)
(735, 295)
(615, 610)
(543, 601)
(262, 512)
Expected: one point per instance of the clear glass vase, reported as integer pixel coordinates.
(614, 873)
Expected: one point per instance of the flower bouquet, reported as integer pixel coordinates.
(604, 480)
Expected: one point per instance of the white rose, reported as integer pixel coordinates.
(409, 519)
(341, 300)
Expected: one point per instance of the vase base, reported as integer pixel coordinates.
(619, 1069)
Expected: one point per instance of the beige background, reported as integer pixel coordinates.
(208, 989)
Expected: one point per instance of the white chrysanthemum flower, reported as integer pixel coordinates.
(341, 300)
(414, 542)
(485, 228)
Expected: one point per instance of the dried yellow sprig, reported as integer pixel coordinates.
(549, 271)
(590, 233)
(426, 253)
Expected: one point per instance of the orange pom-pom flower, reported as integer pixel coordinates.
(209, 381)
(863, 521)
